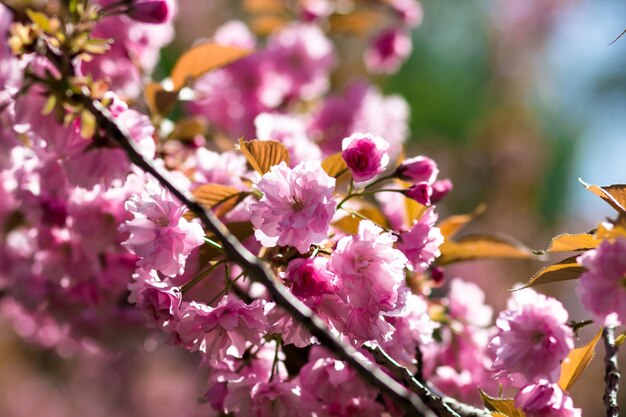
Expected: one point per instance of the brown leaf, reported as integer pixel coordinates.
(414, 211)
(203, 58)
(572, 242)
(159, 101)
(188, 128)
(576, 362)
(265, 25)
(358, 22)
(614, 194)
(565, 270)
(505, 406)
(335, 165)
(482, 247)
(451, 225)
(220, 198)
(263, 6)
(264, 154)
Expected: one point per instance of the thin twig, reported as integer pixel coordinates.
(236, 252)
(611, 372)
(440, 406)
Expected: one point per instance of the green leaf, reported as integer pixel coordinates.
(565, 270)
(482, 246)
(264, 154)
(572, 242)
(203, 58)
(614, 194)
(576, 362)
(505, 406)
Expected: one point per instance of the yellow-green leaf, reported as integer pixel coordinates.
(451, 225)
(565, 270)
(482, 247)
(335, 165)
(87, 124)
(264, 154)
(203, 58)
(576, 362)
(614, 194)
(40, 19)
(220, 198)
(504, 406)
(572, 242)
(350, 223)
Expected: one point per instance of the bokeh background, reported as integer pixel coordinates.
(515, 99)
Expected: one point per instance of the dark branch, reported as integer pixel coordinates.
(611, 372)
(236, 252)
(441, 406)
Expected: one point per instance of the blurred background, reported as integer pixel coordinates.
(515, 99)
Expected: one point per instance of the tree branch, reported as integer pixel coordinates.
(611, 372)
(236, 252)
(441, 406)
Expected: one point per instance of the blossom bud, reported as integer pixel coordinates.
(441, 188)
(366, 155)
(418, 169)
(151, 11)
(421, 192)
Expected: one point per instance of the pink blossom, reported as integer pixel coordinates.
(601, 288)
(310, 277)
(418, 169)
(296, 207)
(312, 10)
(532, 340)
(388, 51)
(421, 243)
(371, 270)
(466, 303)
(159, 235)
(545, 399)
(159, 302)
(152, 11)
(366, 155)
(226, 168)
(303, 56)
(235, 33)
(290, 130)
(410, 11)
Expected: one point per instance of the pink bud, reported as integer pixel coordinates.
(418, 169)
(151, 11)
(366, 155)
(420, 192)
(437, 275)
(441, 188)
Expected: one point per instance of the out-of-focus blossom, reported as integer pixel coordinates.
(388, 51)
(421, 243)
(296, 207)
(532, 340)
(601, 288)
(441, 189)
(545, 399)
(159, 234)
(235, 33)
(365, 155)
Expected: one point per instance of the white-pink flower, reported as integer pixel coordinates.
(388, 51)
(296, 208)
(601, 289)
(371, 270)
(545, 399)
(159, 235)
(532, 340)
(421, 243)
